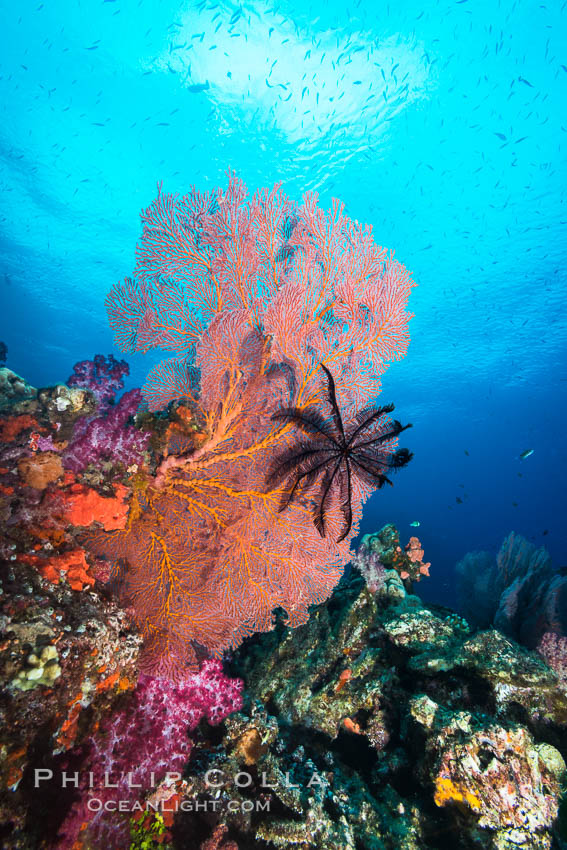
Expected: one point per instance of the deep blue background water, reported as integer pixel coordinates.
(443, 124)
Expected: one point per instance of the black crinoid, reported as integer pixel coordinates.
(333, 453)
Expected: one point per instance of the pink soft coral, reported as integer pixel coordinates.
(139, 745)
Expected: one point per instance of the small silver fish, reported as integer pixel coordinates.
(198, 87)
(415, 524)
(526, 454)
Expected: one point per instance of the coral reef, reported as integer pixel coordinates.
(519, 593)
(43, 504)
(378, 723)
(422, 728)
(66, 651)
(381, 724)
(368, 722)
(73, 702)
(497, 774)
(385, 548)
(553, 648)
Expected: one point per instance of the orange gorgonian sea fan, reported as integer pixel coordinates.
(253, 296)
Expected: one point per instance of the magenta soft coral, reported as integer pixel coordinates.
(108, 437)
(103, 376)
(141, 744)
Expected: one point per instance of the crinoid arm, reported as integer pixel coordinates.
(309, 420)
(297, 468)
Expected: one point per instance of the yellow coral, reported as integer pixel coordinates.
(447, 792)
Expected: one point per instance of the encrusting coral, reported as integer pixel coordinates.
(41, 469)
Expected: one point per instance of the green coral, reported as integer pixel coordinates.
(145, 833)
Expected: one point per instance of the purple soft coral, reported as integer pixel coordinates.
(140, 745)
(103, 376)
(108, 437)
(371, 568)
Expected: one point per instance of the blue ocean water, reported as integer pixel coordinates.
(441, 124)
